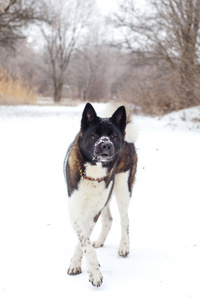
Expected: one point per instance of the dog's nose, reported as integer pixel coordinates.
(106, 147)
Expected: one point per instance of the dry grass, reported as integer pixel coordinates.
(13, 90)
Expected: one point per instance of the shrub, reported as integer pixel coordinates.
(14, 90)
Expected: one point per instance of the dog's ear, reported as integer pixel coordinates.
(119, 118)
(88, 117)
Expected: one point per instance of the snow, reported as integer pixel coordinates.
(36, 238)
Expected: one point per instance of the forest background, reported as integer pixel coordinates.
(67, 51)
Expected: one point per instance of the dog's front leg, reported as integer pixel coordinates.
(75, 263)
(95, 276)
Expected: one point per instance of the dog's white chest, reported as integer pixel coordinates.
(91, 196)
(88, 200)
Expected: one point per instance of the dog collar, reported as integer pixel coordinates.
(87, 177)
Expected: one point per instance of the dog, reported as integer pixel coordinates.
(98, 163)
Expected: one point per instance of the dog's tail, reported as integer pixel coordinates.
(132, 129)
(132, 132)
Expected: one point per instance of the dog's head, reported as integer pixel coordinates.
(101, 139)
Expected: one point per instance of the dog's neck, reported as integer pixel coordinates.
(92, 172)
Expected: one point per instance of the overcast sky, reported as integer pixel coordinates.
(106, 5)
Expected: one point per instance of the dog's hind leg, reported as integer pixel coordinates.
(122, 195)
(106, 225)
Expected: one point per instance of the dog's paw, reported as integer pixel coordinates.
(74, 270)
(97, 244)
(96, 277)
(123, 250)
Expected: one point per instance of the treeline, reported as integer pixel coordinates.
(147, 56)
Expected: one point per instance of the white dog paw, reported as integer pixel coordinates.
(74, 270)
(95, 277)
(123, 250)
(97, 244)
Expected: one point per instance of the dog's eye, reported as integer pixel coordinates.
(113, 136)
(95, 136)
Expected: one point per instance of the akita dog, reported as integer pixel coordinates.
(99, 162)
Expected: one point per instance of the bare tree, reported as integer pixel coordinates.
(66, 26)
(92, 65)
(170, 33)
(14, 16)
(178, 42)
(130, 25)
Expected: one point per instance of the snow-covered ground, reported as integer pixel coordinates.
(37, 241)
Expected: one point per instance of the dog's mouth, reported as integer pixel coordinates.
(102, 157)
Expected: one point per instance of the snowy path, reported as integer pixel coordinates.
(36, 239)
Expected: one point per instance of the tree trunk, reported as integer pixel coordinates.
(189, 97)
(84, 94)
(188, 78)
(58, 92)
